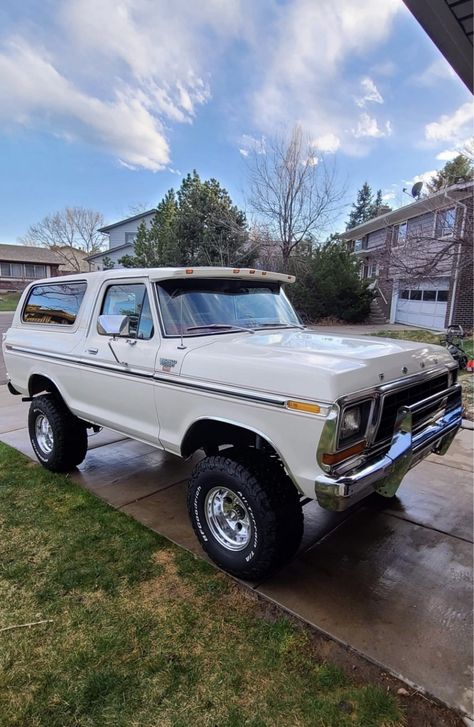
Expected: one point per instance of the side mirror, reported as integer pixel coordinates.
(113, 325)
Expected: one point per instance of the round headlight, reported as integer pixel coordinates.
(351, 422)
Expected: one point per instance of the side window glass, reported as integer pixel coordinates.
(54, 304)
(130, 299)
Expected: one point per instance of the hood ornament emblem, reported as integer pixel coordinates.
(381, 377)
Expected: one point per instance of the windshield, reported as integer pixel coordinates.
(200, 307)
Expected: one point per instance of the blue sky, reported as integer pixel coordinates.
(106, 104)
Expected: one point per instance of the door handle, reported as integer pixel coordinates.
(93, 350)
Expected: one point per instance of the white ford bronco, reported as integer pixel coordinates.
(216, 360)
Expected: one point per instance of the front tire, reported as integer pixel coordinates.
(245, 512)
(58, 438)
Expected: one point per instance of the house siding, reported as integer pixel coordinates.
(396, 262)
(118, 234)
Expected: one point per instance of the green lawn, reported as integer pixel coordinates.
(9, 301)
(139, 633)
(465, 378)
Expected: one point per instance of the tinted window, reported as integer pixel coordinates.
(130, 299)
(57, 303)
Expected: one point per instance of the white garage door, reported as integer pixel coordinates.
(423, 304)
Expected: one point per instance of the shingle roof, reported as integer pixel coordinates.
(26, 254)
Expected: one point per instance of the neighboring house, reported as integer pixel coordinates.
(73, 260)
(19, 265)
(121, 235)
(419, 258)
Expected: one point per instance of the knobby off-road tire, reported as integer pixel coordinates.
(59, 439)
(260, 498)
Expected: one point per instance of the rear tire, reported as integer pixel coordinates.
(58, 438)
(245, 512)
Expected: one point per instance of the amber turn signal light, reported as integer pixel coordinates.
(335, 457)
(303, 406)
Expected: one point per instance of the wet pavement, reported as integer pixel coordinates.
(392, 581)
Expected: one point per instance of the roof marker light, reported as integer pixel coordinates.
(252, 272)
(236, 270)
(189, 271)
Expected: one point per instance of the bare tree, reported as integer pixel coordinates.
(66, 232)
(293, 192)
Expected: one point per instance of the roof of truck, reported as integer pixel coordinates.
(167, 273)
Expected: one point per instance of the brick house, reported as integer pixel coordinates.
(19, 265)
(419, 259)
(121, 236)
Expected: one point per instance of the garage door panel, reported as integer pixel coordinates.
(423, 305)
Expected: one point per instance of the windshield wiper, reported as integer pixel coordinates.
(220, 327)
(281, 325)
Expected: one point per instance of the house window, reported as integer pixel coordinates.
(357, 245)
(400, 235)
(405, 294)
(429, 295)
(415, 294)
(35, 271)
(130, 238)
(57, 304)
(442, 296)
(373, 270)
(445, 222)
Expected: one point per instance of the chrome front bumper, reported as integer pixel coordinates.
(406, 450)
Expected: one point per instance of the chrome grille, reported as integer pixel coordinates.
(406, 397)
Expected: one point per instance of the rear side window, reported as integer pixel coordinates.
(57, 303)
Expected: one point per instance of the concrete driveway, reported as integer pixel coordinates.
(394, 583)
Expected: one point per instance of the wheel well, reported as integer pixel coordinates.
(38, 383)
(210, 434)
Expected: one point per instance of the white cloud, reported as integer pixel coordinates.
(329, 143)
(304, 59)
(367, 126)
(454, 127)
(251, 144)
(370, 94)
(447, 155)
(115, 75)
(438, 70)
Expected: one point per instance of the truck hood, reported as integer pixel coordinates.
(308, 364)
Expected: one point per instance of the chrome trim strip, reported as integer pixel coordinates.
(181, 383)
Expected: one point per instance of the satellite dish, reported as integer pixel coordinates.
(416, 190)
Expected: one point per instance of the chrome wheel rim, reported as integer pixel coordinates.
(44, 434)
(228, 518)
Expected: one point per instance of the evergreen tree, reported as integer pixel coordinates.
(362, 208)
(459, 169)
(198, 225)
(211, 230)
(377, 205)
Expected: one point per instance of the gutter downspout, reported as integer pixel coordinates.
(456, 271)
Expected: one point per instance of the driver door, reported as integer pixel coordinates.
(120, 392)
